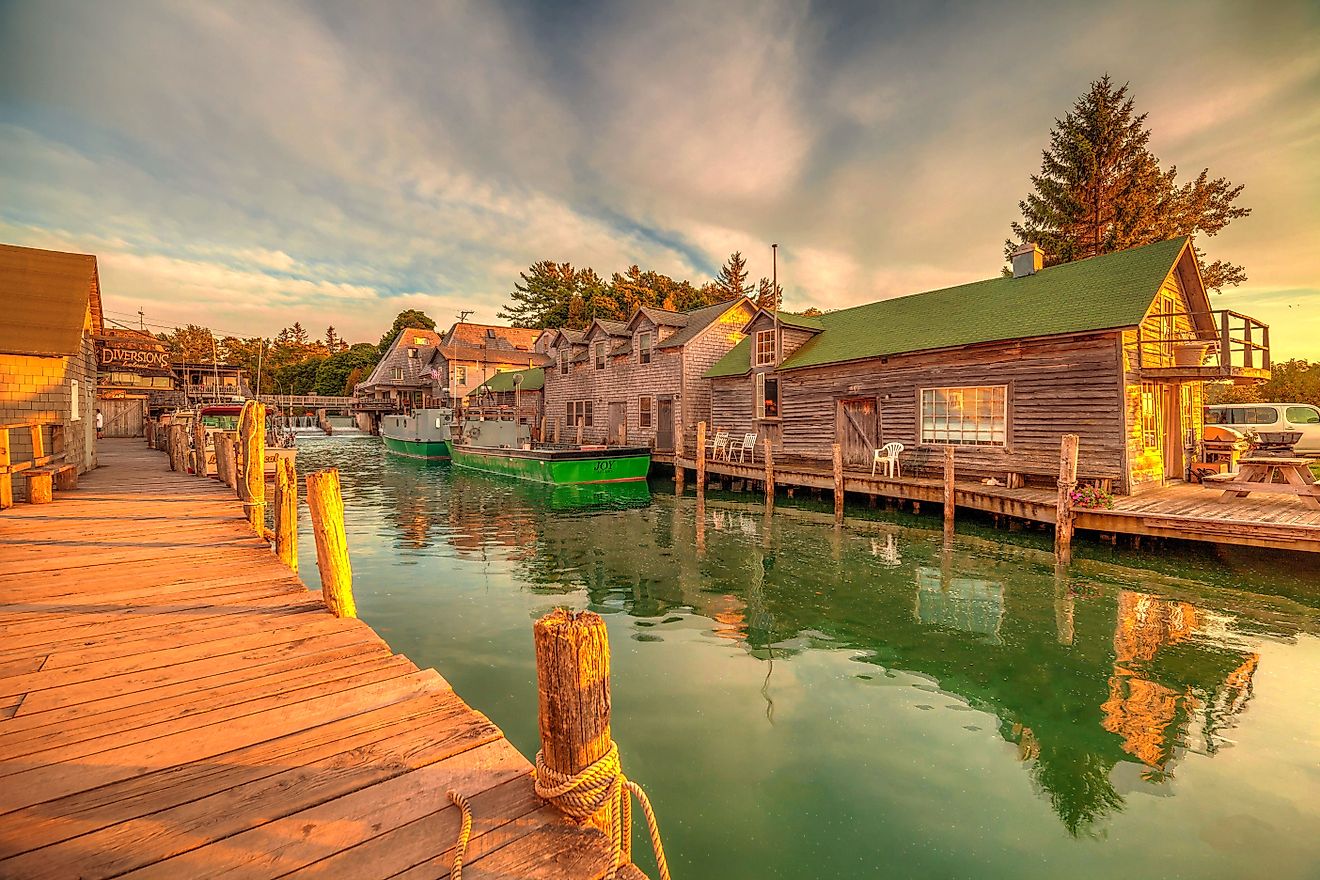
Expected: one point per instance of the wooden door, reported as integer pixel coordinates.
(1172, 440)
(122, 417)
(618, 421)
(857, 430)
(664, 425)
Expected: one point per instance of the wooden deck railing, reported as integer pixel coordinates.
(1240, 345)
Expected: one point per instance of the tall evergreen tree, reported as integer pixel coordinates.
(732, 280)
(769, 296)
(1100, 189)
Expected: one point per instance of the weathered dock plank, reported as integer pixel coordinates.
(173, 702)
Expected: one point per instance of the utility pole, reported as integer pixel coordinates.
(774, 291)
(142, 320)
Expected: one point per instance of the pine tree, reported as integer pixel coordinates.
(333, 343)
(1100, 190)
(732, 280)
(769, 296)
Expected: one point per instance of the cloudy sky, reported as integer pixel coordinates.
(248, 165)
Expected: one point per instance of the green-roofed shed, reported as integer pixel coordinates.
(1115, 348)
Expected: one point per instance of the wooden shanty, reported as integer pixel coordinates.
(1115, 349)
(639, 379)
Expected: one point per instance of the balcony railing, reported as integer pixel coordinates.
(1237, 348)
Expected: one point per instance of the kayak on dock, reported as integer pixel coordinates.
(424, 433)
(505, 447)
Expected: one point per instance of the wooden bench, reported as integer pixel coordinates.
(43, 472)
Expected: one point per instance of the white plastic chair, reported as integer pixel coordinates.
(888, 454)
(741, 448)
(717, 446)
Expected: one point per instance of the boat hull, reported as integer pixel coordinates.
(557, 468)
(430, 450)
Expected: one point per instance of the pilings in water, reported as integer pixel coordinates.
(701, 458)
(326, 505)
(838, 483)
(1063, 516)
(252, 455)
(948, 494)
(769, 477)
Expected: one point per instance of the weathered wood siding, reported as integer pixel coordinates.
(699, 355)
(1055, 386)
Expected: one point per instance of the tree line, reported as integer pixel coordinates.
(292, 362)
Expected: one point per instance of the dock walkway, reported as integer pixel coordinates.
(175, 703)
(1183, 511)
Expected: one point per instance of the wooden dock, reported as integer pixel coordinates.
(175, 703)
(1185, 512)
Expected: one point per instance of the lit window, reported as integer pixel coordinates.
(460, 375)
(767, 396)
(765, 347)
(965, 416)
(643, 412)
(76, 413)
(644, 347)
(600, 355)
(419, 340)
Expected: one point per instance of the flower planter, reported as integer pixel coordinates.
(1190, 354)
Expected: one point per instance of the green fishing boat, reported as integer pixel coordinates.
(503, 447)
(424, 433)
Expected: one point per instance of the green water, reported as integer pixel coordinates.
(801, 701)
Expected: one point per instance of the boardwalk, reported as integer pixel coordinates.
(173, 703)
(1187, 512)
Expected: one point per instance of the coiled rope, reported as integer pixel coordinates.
(601, 786)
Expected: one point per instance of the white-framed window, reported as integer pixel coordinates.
(76, 414)
(644, 411)
(765, 348)
(1151, 414)
(767, 396)
(396, 373)
(600, 355)
(970, 416)
(644, 341)
(460, 375)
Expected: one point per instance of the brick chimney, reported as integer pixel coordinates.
(1027, 259)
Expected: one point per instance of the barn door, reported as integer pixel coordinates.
(857, 430)
(664, 425)
(618, 420)
(122, 417)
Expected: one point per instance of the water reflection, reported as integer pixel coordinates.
(1085, 672)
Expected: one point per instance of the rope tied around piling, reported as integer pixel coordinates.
(601, 786)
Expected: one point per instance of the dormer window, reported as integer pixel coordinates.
(419, 340)
(490, 334)
(644, 347)
(396, 373)
(765, 348)
(600, 355)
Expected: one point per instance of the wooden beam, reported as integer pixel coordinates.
(838, 483)
(948, 494)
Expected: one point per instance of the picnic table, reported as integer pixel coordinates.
(1258, 475)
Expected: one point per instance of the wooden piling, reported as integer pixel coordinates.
(1063, 524)
(838, 483)
(701, 458)
(326, 505)
(286, 512)
(573, 694)
(769, 476)
(579, 433)
(680, 474)
(541, 436)
(199, 447)
(254, 464)
(556, 432)
(948, 494)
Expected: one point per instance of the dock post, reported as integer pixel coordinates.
(542, 435)
(769, 477)
(177, 442)
(701, 458)
(948, 494)
(286, 512)
(254, 466)
(838, 483)
(556, 432)
(1063, 524)
(680, 474)
(326, 504)
(579, 436)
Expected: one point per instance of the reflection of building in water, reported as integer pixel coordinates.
(967, 604)
(1151, 716)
